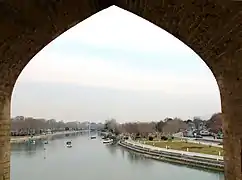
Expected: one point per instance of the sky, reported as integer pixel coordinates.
(116, 65)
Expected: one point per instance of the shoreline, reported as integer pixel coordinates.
(195, 160)
(22, 139)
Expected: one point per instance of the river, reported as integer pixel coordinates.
(91, 160)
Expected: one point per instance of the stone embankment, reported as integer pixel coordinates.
(196, 160)
(43, 136)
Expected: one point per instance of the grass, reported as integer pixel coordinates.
(182, 146)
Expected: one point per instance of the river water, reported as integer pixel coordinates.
(91, 160)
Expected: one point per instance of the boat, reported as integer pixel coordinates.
(46, 142)
(68, 144)
(107, 141)
(31, 141)
(93, 137)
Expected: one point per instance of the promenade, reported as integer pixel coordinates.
(204, 140)
(176, 151)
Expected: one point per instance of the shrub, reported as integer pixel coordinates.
(151, 138)
(164, 138)
(137, 137)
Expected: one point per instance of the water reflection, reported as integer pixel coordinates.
(66, 136)
(27, 148)
(112, 149)
(138, 158)
(129, 155)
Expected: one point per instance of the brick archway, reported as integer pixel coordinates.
(212, 28)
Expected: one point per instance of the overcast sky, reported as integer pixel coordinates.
(116, 65)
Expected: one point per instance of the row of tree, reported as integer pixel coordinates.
(24, 124)
(166, 126)
(215, 123)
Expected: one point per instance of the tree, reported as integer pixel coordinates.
(167, 119)
(215, 123)
(29, 125)
(159, 126)
(174, 126)
(145, 128)
(188, 121)
(197, 122)
(111, 126)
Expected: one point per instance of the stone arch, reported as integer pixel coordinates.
(212, 28)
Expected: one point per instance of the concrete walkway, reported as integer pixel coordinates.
(176, 151)
(204, 140)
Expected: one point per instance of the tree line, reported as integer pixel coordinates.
(166, 126)
(28, 125)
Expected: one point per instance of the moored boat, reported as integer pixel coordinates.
(68, 144)
(31, 141)
(93, 137)
(107, 141)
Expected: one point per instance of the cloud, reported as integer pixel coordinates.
(96, 72)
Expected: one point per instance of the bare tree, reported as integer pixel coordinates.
(197, 121)
(29, 125)
(159, 126)
(112, 126)
(174, 126)
(215, 123)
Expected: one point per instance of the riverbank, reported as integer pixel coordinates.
(204, 161)
(39, 137)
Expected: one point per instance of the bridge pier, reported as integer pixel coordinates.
(232, 158)
(231, 98)
(5, 150)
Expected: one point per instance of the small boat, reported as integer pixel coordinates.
(46, 142)
(31, 141)
(107, 141)
(68, 144)
(93, 137)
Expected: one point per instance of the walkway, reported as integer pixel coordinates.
(204, 140)
(176, 151)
